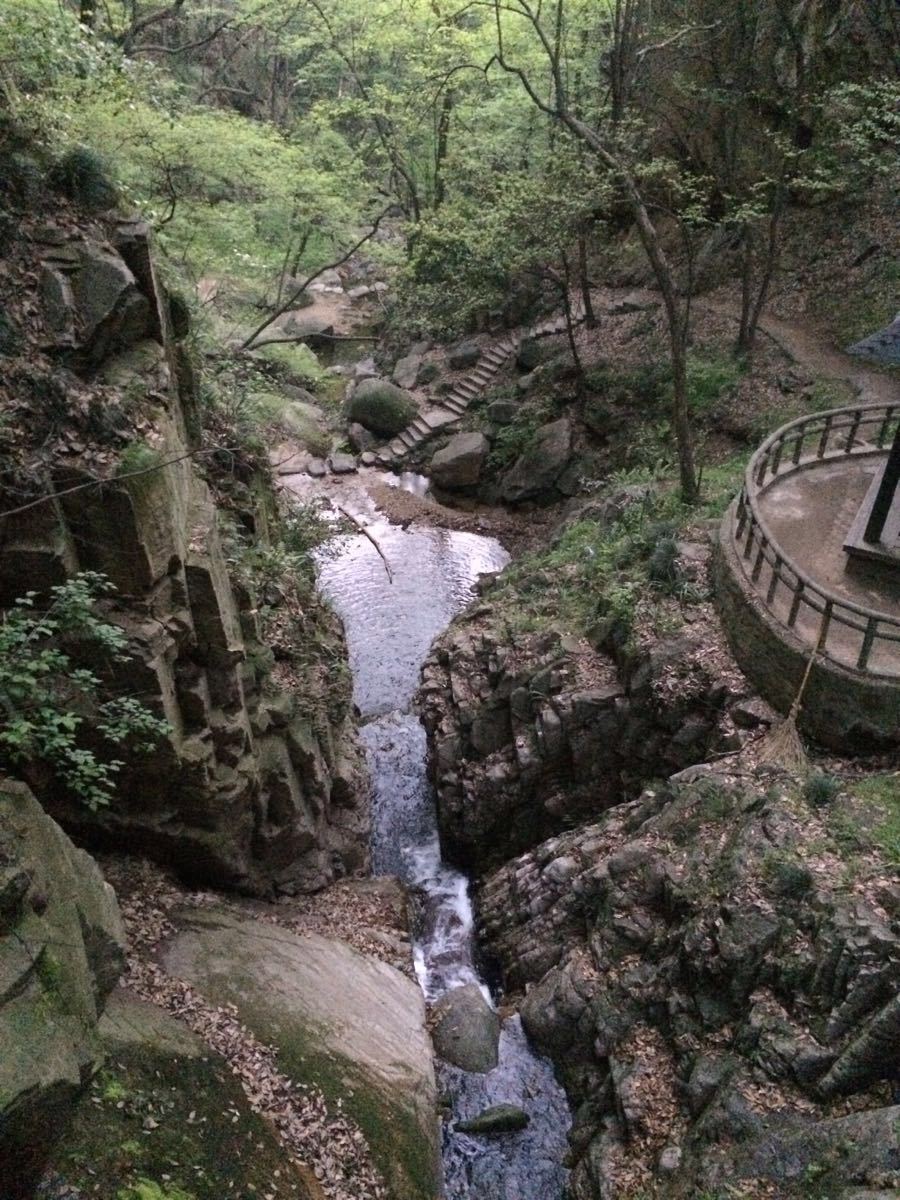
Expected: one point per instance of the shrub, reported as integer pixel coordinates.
(137, 456)
(820, 789)
(84, 177)
(49, 700)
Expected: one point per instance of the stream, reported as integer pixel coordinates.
(389, 629)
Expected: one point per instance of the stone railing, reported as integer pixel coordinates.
(848, 633)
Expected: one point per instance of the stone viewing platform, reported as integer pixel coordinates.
(809, 564)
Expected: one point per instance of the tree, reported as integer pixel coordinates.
(50, 702)
(608, 142)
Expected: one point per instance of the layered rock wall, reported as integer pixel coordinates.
(716, 989)
(256, 787)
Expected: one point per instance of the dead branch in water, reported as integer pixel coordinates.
(362, 529)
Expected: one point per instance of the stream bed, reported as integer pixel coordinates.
(390, 627)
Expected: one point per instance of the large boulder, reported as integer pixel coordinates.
(62, 949)
(352, 1026)
(157, 1109)
(92, 302)
(535, 472)
(466, 1030)
(460, 462)
(406, 370)
(381, 407)
(314, 331)
(464, 355)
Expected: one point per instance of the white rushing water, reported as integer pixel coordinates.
(390, 626)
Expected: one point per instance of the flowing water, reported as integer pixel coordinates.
(390, 627)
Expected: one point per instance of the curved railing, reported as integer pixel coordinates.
(848, 633)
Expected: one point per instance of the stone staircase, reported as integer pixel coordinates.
(447, 414)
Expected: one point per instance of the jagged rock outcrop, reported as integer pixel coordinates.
(62, 949)
(709, 977)
(257, 787)
(528, 733)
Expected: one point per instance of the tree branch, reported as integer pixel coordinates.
(247, 344)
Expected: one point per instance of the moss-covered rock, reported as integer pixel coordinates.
(166, 1120)
(381, 407)
(352, 1026)
(61, 952)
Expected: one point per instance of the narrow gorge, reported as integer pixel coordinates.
(449, 600)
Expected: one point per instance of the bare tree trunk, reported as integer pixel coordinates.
(590, 317)
(443, 134)
(570, 325)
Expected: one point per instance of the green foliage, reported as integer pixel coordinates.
(84, 177)
(787, 875)
(50, 700)
(820, 789)
(138, 456)
(148, 1189)
(710, 378)
(881, 794)
(302, 531)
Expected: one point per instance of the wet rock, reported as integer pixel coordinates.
(501, 1118)
(657, 964)
(381, 407)
(342, 464)
(466, 1030)
(533, 475)
(365, 369)
(314, 331)
(359, 437)
(459, 463)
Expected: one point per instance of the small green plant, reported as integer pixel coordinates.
(820, 789)
(710, 378)
(84, 177)
(788, 876)
(149, 1189)
(138, 456)
(49, 701)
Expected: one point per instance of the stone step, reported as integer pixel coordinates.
(466, 389)
(480, 375)
(456, 406)
(420, 427)
(408, 438)
(396, 446)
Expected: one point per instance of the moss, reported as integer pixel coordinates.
(875, 818)
(391, 1129)
(154, 1126)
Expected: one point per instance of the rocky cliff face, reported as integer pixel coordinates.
(530, 733)
(258, 785)
(716, 981)
(61, 952)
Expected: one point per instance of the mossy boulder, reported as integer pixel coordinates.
(349, 1025)
(61, 952)
(381, 407)
(167, 1119)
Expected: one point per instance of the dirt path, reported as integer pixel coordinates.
(802, 344)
